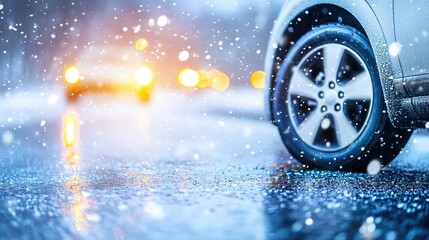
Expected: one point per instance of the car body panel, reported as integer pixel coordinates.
(109, 68)
(116, 64)
(414, 52)
(412, 33)
(377, 19)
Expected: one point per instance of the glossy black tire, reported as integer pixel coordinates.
(378, 139)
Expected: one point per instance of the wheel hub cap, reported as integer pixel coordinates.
(331, 98)
(331, 84)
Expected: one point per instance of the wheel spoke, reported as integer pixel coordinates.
(360, 87)
(346, 133)
(309, 127)
(301, 85)
(332, 55)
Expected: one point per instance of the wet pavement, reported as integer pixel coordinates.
(199, 165)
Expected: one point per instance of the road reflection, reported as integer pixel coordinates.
(300, 203)
(71, 161)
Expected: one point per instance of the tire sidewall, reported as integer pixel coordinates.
(364, 143)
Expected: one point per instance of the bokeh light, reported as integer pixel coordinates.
(72, 75)
(7, 138)
(220, 81)
(205, 79)
(188, 77)
(257, 79)
(141, 44)
(394, 49)
(183, 56)
(143, 76)
(162, 21)
(374, 167)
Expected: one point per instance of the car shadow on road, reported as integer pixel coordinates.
(307, 204)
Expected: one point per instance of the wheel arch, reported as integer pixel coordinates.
(300, 16)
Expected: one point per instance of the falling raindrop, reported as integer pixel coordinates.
(326, 123)
(309, 221)
(162, 21)
(183, 56)
(7, 138)
(374, 167)
(394, 49)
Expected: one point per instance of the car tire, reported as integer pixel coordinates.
(328, 102)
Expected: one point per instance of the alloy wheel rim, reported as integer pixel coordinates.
(330, 97)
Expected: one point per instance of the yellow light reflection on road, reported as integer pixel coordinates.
(70, 130)
(220, 81)
(188, 78)
(144, 76)
(257, 79)
(205, 79)
(70, 138)
(78, 208)
(141, 44)
(72, 75)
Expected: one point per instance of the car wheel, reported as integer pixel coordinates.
(329, 105)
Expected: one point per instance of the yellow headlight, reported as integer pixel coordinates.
(188, 78)
(72, 75)
(205, 79)
(257, 79)
(220, 81)
(144, 76)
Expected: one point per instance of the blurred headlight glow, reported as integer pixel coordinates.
(72, 75)
(69, 130)
(205, 79)
(220, 81)
(188, 78)
(257, 79)
(141, 44)
(144, 76)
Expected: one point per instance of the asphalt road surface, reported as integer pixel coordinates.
(188, 165)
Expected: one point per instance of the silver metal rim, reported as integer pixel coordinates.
(330, 97)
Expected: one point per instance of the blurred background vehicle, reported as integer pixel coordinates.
(110, 68)
(38, 45)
